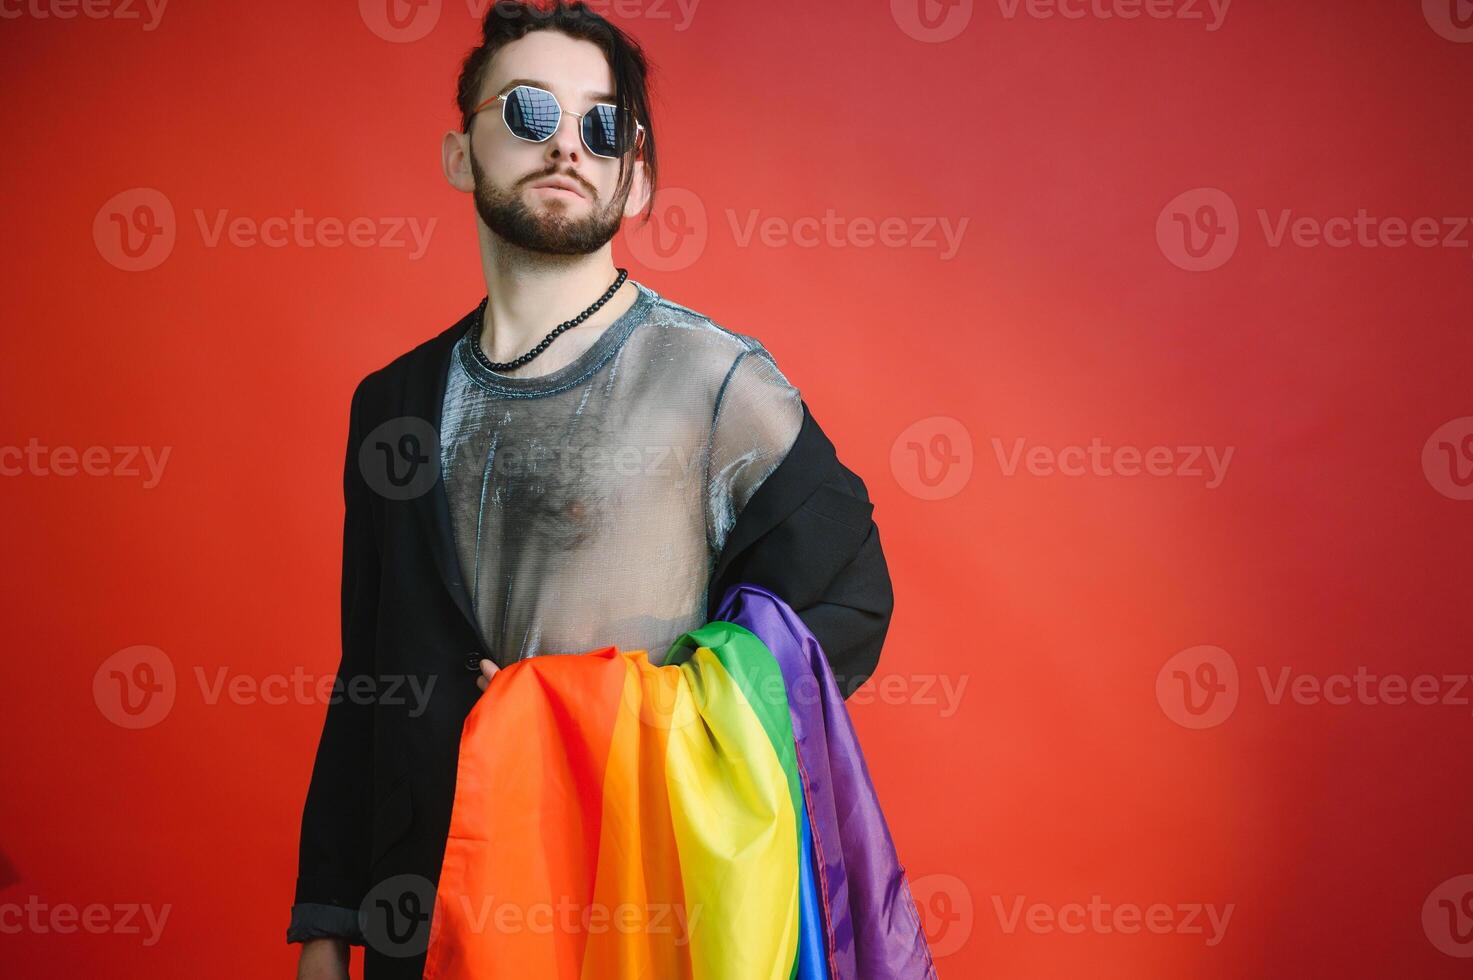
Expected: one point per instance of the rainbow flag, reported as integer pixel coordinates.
(679, 821)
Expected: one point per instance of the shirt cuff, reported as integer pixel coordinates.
(313, 921)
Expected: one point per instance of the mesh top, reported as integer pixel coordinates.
(589, 504)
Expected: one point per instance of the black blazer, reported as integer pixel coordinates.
(378, 806)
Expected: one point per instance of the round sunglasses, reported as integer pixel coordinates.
(534, 114)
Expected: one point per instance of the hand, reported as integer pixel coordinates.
(488, 671)
(323, 959)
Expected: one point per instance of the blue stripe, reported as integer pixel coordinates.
(813, 960)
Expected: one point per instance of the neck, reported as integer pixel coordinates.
(530, 293)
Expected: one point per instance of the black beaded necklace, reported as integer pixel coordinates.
(480, 325)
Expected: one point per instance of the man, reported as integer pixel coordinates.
(578, 463)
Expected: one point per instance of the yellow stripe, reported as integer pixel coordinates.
(735, 829)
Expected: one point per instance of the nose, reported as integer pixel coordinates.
(568, 140)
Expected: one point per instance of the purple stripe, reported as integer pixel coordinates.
(874, 929)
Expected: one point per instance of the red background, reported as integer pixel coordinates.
(1057, 600)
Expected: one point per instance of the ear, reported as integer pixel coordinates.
(455, 151)
(639, 189)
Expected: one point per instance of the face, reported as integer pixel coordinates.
(502, 169)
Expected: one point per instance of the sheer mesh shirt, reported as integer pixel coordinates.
(589, 504)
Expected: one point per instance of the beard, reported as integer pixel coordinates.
(551, 230)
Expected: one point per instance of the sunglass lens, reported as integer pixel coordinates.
(601, 131)
(531, 113)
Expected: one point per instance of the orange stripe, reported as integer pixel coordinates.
(640, 899)
(544, 726)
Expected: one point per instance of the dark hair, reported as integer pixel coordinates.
(508, 20)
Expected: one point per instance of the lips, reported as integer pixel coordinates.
(560, 183)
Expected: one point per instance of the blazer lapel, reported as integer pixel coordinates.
(424, 397)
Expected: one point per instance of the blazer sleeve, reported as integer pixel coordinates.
(851, 615)
(332, 870)
(825, 560)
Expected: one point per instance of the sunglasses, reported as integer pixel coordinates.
(534, 114)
